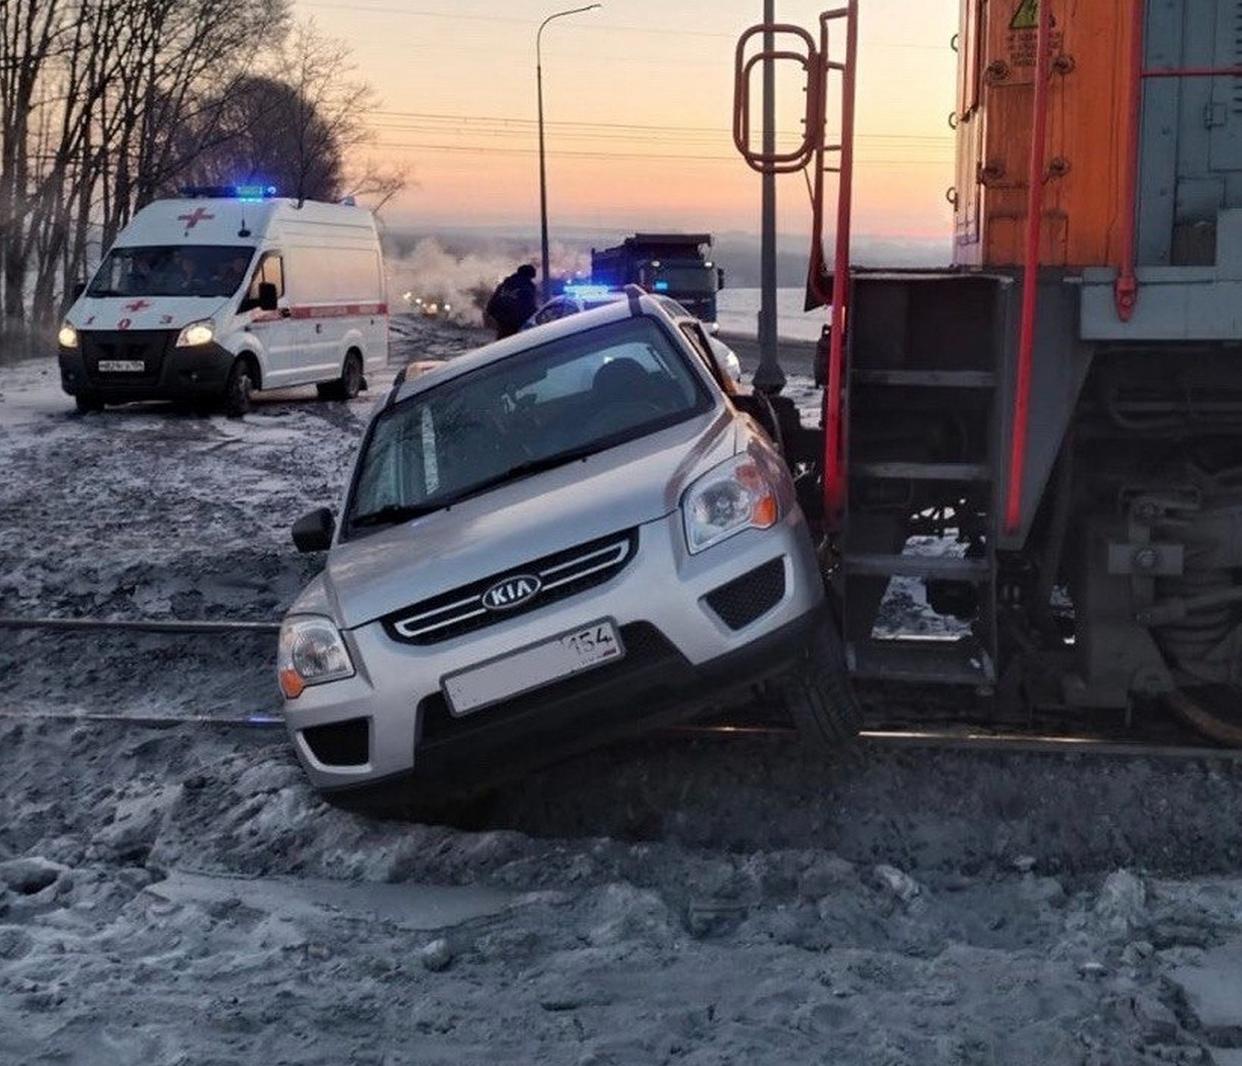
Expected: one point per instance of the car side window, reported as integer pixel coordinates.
(550, 312)
(271, 268)
(694, 334)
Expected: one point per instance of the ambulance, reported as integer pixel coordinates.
(227, 291)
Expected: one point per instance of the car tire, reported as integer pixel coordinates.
(88, 403)
(819, 698)
(238, 389)
(348, 385)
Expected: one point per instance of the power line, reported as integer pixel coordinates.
(390, 115)
(593, 26)
(654, 156)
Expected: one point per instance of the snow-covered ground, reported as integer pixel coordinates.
(179, 896)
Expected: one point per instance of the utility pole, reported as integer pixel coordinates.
(546, 281)
(768, 377)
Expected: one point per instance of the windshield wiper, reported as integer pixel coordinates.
(527, 469)
(392, 513)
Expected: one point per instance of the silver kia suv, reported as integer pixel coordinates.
(565, 536)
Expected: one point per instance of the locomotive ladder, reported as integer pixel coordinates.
(871, 557)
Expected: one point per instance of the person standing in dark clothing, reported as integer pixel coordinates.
(514, 301)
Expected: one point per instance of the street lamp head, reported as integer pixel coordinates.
(562, 14)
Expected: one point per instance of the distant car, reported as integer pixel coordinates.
(578, 298)
(565, 535)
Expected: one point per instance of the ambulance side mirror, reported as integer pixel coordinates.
(267, 296)
(313, 532)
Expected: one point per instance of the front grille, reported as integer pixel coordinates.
(148, 346)
(340, 743)
(746, 598)
(647, 653)
(561, 575)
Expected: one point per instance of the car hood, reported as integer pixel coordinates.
(509, 526)
(142, 312)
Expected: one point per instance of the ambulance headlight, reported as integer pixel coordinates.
(196, 333)
(68, 336)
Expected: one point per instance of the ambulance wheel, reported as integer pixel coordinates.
(88, 403)
(238, 389)
(348, 385)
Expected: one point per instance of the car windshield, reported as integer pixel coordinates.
(172, 270)
(695, 280)
(564, 400)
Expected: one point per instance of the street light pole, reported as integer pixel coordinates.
(543, 171)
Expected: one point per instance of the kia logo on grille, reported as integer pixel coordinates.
(511, 592)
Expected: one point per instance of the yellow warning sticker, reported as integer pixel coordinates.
(1026, 17)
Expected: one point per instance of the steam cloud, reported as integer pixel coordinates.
(434, 274)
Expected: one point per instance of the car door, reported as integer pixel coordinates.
(275, 330)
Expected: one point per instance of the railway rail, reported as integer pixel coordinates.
(891, 723)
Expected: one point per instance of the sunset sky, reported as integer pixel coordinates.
(623, 87)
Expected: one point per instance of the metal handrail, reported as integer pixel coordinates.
(814, 148)
(1030, 275)
(799, 158)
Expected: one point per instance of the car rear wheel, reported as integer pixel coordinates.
(348, 385)
(238, 389)
(819, 698)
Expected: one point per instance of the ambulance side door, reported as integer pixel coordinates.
(275, 330)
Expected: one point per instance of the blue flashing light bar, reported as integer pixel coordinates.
(588, 292)
(244, 193)
(253, 194)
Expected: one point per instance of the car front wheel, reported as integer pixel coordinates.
(818, 696)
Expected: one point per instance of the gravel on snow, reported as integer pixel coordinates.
(181, 896)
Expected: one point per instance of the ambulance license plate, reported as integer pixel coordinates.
(122, 366)
(532, 667)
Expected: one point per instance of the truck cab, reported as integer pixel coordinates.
(676, 265)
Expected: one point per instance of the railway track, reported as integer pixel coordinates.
(890, 722)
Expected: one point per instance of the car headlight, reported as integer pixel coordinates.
(196, 333)
(311, 652)
(736, 495)
(68, 336)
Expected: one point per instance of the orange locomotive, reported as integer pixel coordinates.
(1063, 406)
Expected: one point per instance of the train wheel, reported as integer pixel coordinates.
(1213, 710)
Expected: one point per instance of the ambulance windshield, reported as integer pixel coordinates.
(172, 270)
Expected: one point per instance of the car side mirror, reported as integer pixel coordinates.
(313, 532)
(79, 287)
(268, 296)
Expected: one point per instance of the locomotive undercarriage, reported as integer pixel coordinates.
(1128, 586)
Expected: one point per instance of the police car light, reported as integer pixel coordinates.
(661, 286)
(589, 292)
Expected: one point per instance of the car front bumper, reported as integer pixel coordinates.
(170, 372)
(682, 658)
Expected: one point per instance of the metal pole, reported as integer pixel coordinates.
(768, 377)
(546, 281)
